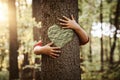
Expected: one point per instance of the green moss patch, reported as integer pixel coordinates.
(60, 36)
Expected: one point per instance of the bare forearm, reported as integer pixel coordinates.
(38, 50)
(82, 35)
(72, 24)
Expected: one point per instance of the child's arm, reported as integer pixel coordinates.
(72, 24)
(47, 50)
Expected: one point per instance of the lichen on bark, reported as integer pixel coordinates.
(60, 36)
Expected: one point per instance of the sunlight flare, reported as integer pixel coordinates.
(3, 12)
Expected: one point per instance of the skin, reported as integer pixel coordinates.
(66, 23)
(48, 50)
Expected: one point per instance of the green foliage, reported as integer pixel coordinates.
(91, 70)
(59, 36)
(89, 12)
(112, 73)
(25, 23)
(4, 75)
(4, 46)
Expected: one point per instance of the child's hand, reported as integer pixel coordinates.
(51, 51)
(72, 24)
(69, 23)
(48, 50)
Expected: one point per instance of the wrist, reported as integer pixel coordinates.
(77, 27)
(42, 50)
(37, 50)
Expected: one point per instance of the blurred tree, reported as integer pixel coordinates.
(26, 60)
(90, 46)
(67, 66)
(36, 30)
(101, 39)
(13, 46)
(116, 23)
(36, 33)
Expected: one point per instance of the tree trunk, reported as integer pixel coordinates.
(90, 46)
(119, 49)
(67, 66)
(26, 60)
(116, 23)
(101, 39)
(36, 33)
(13, 47)
(106, 49)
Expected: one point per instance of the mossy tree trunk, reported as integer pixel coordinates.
(67, 66)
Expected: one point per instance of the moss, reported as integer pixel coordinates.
(59, 36)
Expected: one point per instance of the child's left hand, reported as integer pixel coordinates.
(69, 23)
(72, 24)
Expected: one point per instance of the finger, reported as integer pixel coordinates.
(52, 56)
(65, 27)
(56, 51)
(66, 18)
(72, 17)
(63, 24)
(55, 55)
(62, 20)
(56, 48)
(49, 44)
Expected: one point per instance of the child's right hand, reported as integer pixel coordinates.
(48, 50)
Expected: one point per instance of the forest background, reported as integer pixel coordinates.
(100, 57)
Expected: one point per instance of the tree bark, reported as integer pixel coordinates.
(36, 32)
(101, 39)
(67, 66)
(26, 60)
(116, 23)
(13, 47)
